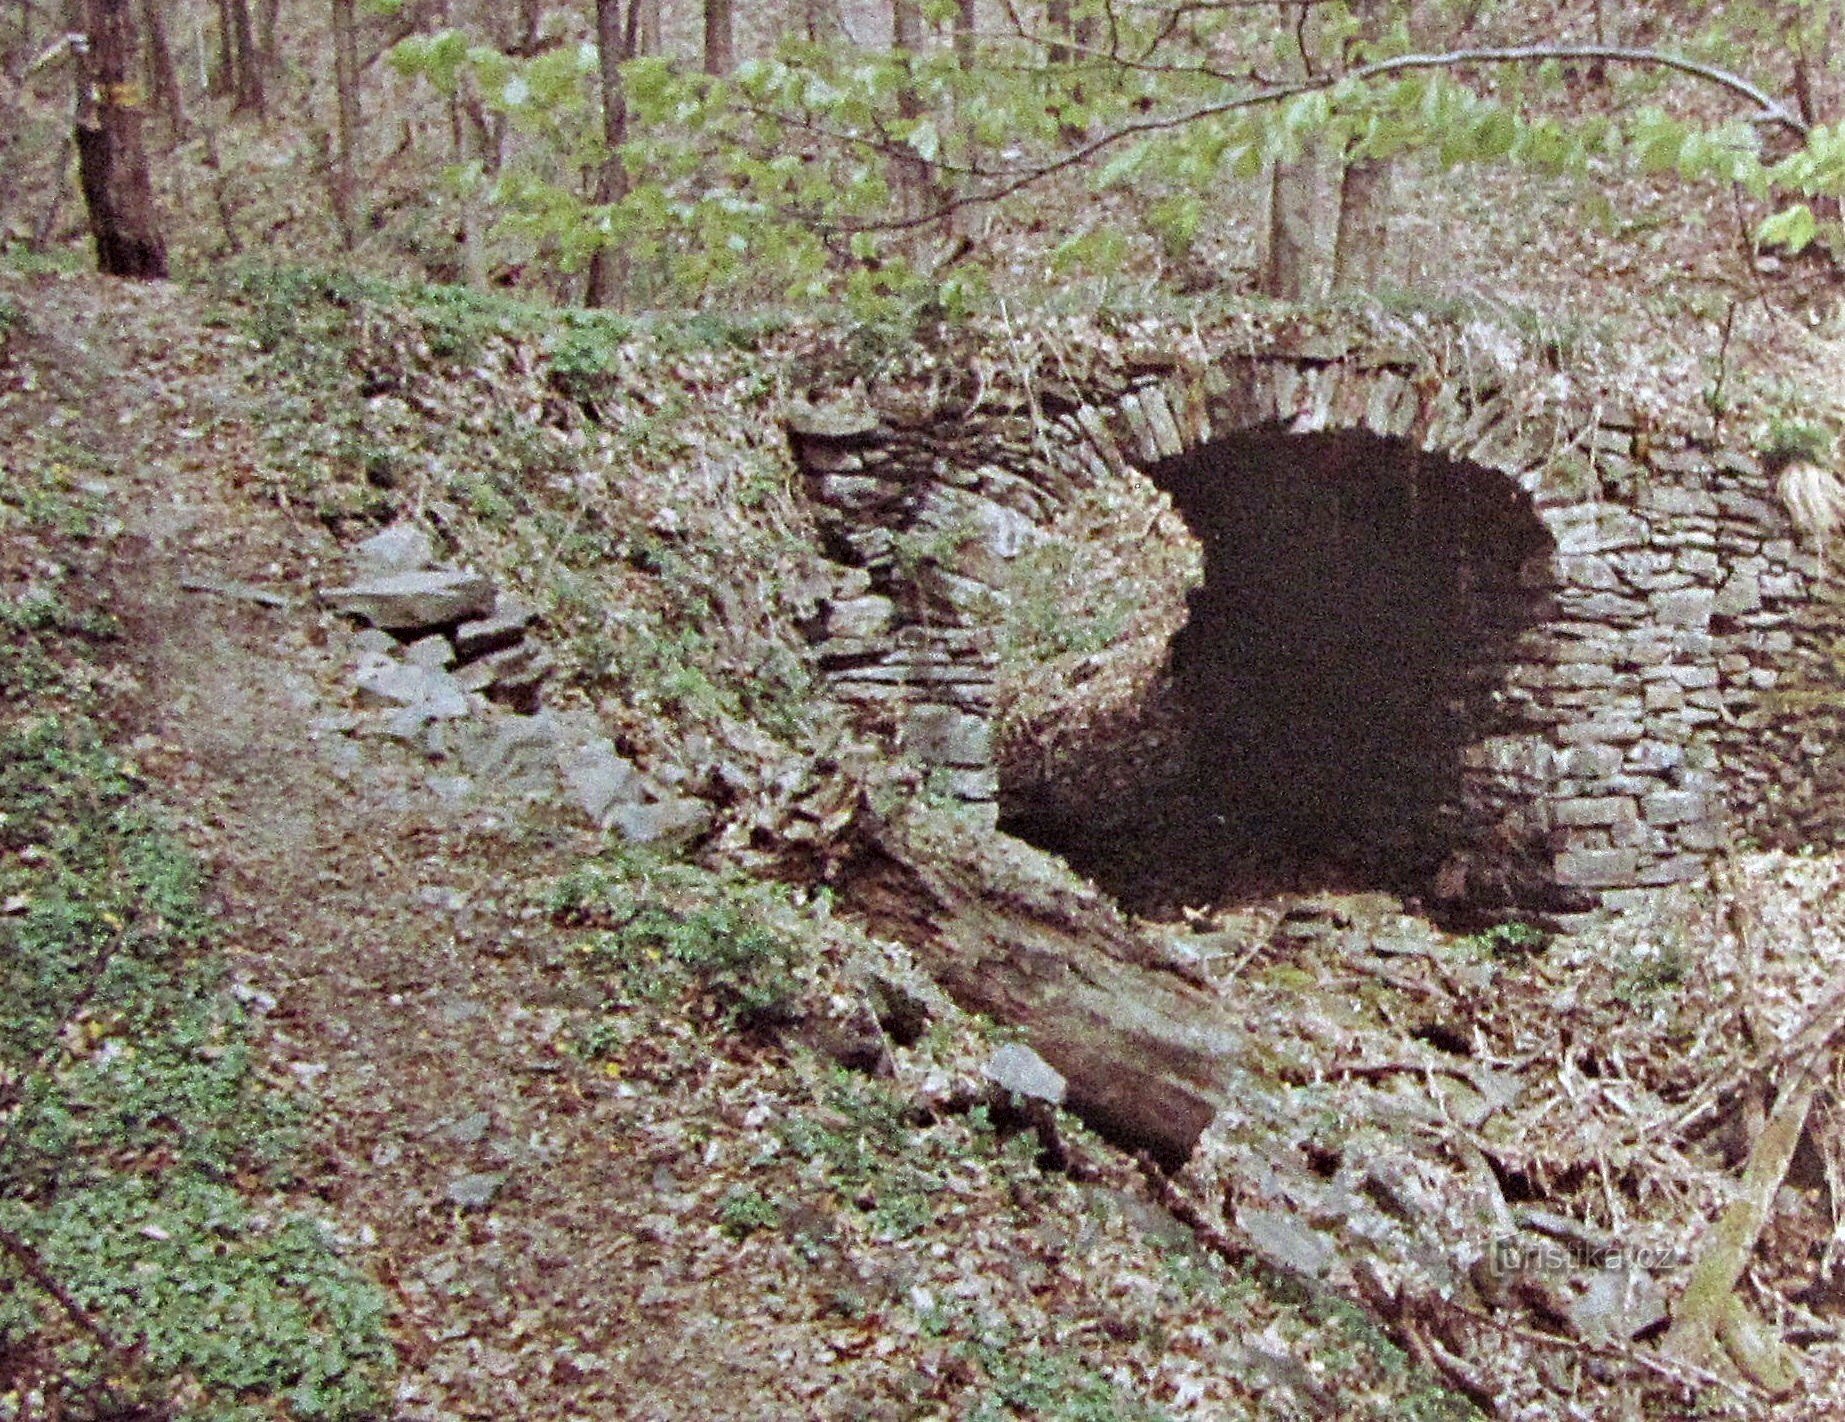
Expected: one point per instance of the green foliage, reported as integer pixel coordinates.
(1016, 1377)
(743, 1211)
(1653, 970)
(866, 1143)
(1789, 438)
(799, 176)
(664, 932)
(1510, 940)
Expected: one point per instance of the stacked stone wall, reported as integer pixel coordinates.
(1672, 700)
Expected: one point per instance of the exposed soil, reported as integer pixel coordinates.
(412, 989)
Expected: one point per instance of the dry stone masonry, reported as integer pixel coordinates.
(1613, 629)
(449, 664)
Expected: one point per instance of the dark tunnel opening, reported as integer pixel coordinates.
(1349, 643)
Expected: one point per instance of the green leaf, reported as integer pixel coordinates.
(926, 140)
(1793, 228)
(1123, 165)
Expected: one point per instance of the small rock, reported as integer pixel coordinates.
(943, 735)
(517, 668)
(401, 548)
(469, 1130)
(374, 642)
(675, 819)
(451, 789)
(1287, 1243)
(433, 692)
(867, 616)
(434, 652)
(1018, 1069)
(505, 625)
(475, 1192)
(510, 754)
(411, 602)
(829, 422)
(599, 779)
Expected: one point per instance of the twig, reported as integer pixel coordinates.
(30, 1264)
(1705, 1308)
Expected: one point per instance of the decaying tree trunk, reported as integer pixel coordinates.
(1147, 1052)
(112, 161)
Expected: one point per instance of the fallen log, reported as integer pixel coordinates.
(1149, 1051)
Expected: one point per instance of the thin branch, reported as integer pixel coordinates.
(1770, 110)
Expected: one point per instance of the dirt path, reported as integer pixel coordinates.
(408, 984)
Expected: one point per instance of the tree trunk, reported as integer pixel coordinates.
(268, 15)
(1289, 249)
(346, 86)
(1363, 240)
(644, 28)
(820, 18)
(608, 268)
(248, 88)
(224, 77)
(965, 20)
(1057, 22)
(1146, 1051)
(112, 162)
(163, 74)
(720, 37)
(1290, 266)
(909, 173)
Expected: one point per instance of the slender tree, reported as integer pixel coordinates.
(1288, 268)
(910, 174)
(346, 194)
(820, 19)
(720, 36)
(112, 160)
(240, 71)
(251, 95)
(162, 73)
(1362, 240)
(615, 40)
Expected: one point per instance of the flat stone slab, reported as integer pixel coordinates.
(675, 820)
(502, 627)
(432, 691)
(415, 601)
(516, 668)
(830, 421)
(1018, 1069)
(401, 548)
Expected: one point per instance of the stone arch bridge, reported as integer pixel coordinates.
(1550, 650)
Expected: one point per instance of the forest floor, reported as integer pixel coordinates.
(694, 1220)
(552, 1231)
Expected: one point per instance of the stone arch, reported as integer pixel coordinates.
(1635, 724)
